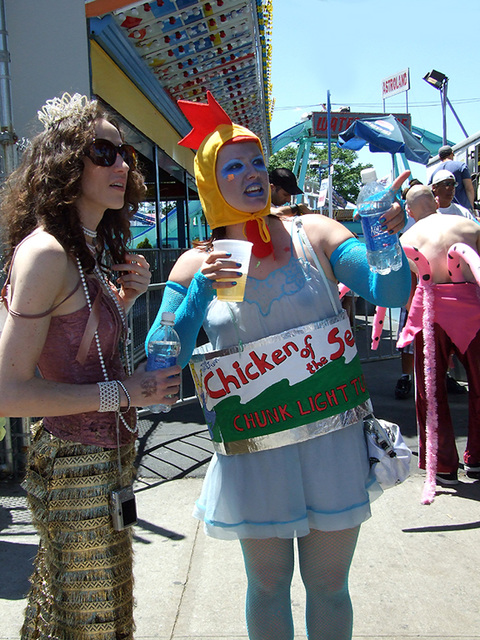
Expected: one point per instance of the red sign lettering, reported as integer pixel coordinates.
(340, 122)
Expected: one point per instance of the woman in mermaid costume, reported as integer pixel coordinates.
(66, 210)
(310, 483)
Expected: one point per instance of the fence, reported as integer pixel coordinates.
(141, 317)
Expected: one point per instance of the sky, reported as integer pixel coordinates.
(348, 47)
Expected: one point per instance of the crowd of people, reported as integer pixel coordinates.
(71, 280)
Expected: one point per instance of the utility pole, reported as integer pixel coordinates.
(8, 159)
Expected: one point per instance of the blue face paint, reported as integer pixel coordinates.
(232, 167)
(259, 163)
(236, 167)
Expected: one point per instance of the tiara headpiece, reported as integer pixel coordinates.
(57, 109)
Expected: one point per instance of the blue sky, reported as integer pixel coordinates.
(349, 46)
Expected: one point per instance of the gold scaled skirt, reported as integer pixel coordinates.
(82, 585)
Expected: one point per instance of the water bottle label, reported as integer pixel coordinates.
(375, 237)
(160, 361)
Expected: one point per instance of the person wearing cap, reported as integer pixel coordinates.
(464, 191)
(283, 185)
(443, 187)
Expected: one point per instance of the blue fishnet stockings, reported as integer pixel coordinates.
(269, 567)
(325, 559)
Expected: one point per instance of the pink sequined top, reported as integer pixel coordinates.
(57, 362)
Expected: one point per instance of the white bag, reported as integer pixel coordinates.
(388, 453)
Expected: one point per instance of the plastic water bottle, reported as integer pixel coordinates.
(383, 249)
(162, 351)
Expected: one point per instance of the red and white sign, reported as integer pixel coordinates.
(340, 121)
(397, 83)
(322, 196)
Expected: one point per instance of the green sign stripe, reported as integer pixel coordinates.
(331, 390)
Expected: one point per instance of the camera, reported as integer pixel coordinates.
(123, 508)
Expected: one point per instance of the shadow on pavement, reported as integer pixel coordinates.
(18, 556)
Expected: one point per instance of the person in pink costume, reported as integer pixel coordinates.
(445, 256)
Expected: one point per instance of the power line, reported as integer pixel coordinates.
(372, 106)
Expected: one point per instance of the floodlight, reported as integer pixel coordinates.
(436, 79)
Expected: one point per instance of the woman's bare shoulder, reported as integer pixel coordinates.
(318, 220)
(38, 273)
(324, 232)
(41, 249)
(187, 266)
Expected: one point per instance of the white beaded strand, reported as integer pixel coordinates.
(92, 247)
(89, 232)
(97, 341)
(103, 280)
(127, 395)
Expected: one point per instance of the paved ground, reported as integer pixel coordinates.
(414, 574)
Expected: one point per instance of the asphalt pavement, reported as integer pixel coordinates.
(414, 574)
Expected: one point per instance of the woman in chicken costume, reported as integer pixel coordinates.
(296, 469)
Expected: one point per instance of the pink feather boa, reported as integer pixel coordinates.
(432, 409)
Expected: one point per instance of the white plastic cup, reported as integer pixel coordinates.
(240, 251)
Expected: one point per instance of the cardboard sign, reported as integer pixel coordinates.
(258, 397)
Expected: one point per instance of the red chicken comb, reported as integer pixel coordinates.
(204, 119)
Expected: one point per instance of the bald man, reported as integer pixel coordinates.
(433, 236)
(456, 306)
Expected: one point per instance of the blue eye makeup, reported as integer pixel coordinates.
(232, 166)
(235, 166)
(259, 163)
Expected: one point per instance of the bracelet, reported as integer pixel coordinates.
(129, 400)
(109, 396)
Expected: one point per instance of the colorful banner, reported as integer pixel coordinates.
(282, 389)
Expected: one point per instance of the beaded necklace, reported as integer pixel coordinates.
(104, 282)
(89, 232)
(102, 278)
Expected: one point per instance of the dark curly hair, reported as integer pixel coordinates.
(47, 184)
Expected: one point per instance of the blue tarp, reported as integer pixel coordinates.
(384, 135)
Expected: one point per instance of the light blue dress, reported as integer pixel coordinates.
(323, 483)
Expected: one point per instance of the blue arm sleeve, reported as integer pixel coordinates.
(350, 266)
(189, 306)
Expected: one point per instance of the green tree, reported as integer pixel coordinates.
(346, 169)
(144, 244)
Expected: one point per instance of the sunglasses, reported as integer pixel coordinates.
(448, 183)
(104, 153)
